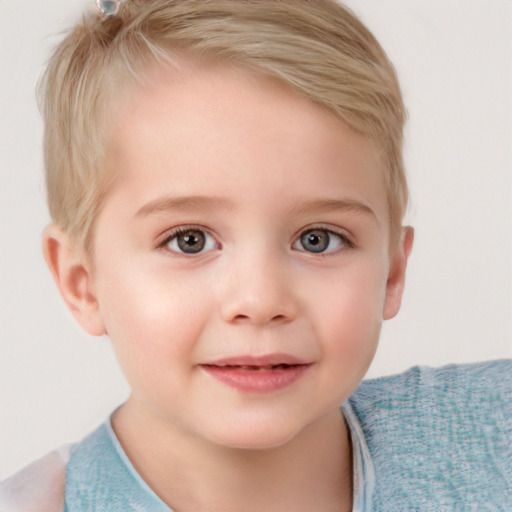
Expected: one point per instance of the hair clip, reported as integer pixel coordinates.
(109, 8)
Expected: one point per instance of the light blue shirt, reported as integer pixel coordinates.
(439, 439)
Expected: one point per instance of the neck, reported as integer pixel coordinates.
(313, 471)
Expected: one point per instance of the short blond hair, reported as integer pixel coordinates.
(317, 47)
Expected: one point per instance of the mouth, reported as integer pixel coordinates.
(257, 375)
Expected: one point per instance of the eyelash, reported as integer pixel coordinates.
(344, 242)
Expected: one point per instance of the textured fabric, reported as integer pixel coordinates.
(363, 470)
(440, 440)
(39, 487)
(100, 478)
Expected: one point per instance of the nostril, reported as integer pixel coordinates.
(245, 318)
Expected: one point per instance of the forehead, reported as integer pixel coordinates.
(219, 130)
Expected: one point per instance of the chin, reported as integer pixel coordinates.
(254, 443)
(256, 435)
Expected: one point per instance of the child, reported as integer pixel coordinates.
(227, 188)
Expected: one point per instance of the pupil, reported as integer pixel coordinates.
(191, 242)
(315, 241)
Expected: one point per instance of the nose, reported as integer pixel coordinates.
(258, 291)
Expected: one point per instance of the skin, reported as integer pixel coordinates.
(253, 166)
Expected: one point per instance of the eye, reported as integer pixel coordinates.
(190, 241)
(320, 240)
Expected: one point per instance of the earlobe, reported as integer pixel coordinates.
(396, 278)
(71, 271)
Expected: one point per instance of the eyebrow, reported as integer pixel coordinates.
(173, 203)
(326, 205)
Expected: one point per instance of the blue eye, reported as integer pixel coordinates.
(190, 241)
(320, 240)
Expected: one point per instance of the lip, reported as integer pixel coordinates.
(258, 374)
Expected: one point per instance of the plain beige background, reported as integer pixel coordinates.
(454, 58)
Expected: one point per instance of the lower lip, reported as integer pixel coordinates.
(257, 381)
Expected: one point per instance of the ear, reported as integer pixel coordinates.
(396, 278)
(72, 271)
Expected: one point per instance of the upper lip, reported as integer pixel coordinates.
(263, 360)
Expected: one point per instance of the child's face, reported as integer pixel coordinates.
(241, 262)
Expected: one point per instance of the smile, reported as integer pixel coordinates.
(257, 375)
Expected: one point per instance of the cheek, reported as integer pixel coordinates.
(150, 316)
(349, 312)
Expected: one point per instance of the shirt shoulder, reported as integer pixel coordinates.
(438, 437)
(39, 487)
(483, 387)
